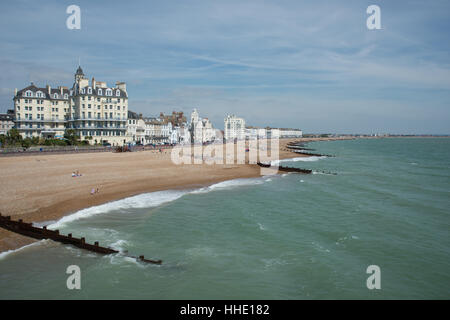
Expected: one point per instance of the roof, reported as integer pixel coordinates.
(35, 89)
(132, 115)
(79, 71)
(6, 117)
(95, 92)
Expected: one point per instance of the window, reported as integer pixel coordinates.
(55, 96)
(82, 91)
(99, 92)
(89, 90)
(66, 96)
(39, 94)
(117, 93)
(29, 93)
(108, 92)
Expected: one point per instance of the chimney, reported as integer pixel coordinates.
(93, 83)
(60, 90)
(15, 91)
(121, 86)
(49, 89)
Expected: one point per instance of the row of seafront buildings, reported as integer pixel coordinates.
(99, 114)
(235, 129)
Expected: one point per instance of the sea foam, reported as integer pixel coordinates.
(146, 200)
(5, 254)
(311, 158)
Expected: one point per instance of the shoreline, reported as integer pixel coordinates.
(64, 195)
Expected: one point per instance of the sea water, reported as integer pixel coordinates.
(288, 236)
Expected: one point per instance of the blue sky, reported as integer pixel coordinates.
(307, 64)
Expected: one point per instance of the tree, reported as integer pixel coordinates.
(2, 140)
(26, 143)
(13, 137)
(71, 137)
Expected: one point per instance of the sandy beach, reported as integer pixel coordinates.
(41, 187)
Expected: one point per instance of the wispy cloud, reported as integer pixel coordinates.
(287, 63)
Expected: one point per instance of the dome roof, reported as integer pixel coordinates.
(79, 71)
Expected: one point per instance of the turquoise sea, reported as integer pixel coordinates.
(287, 236)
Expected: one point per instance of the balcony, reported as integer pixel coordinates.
(41, 120)
(97, 119)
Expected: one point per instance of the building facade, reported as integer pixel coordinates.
(96, 112)
(234, 128)
(6, 122)
(99, 113)
(41, 112)
(201, 130)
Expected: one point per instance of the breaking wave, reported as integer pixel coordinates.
(146, 200)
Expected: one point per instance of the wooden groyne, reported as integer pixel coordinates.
(300, 146)
(27, 229)
(285, 169)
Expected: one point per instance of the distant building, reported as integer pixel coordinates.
(253, 133)
(201, 130)
(177, 118)
(157, 131)
(6, 121)
(290, 133)
(234, 128)
(132, 125)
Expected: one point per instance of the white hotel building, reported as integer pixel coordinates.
(96, 112)
(234, 128)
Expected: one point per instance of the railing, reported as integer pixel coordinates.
(36, 150)
(41, 129)
(52, 149)
(98, 119)
(98, 128)
(40, 120)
